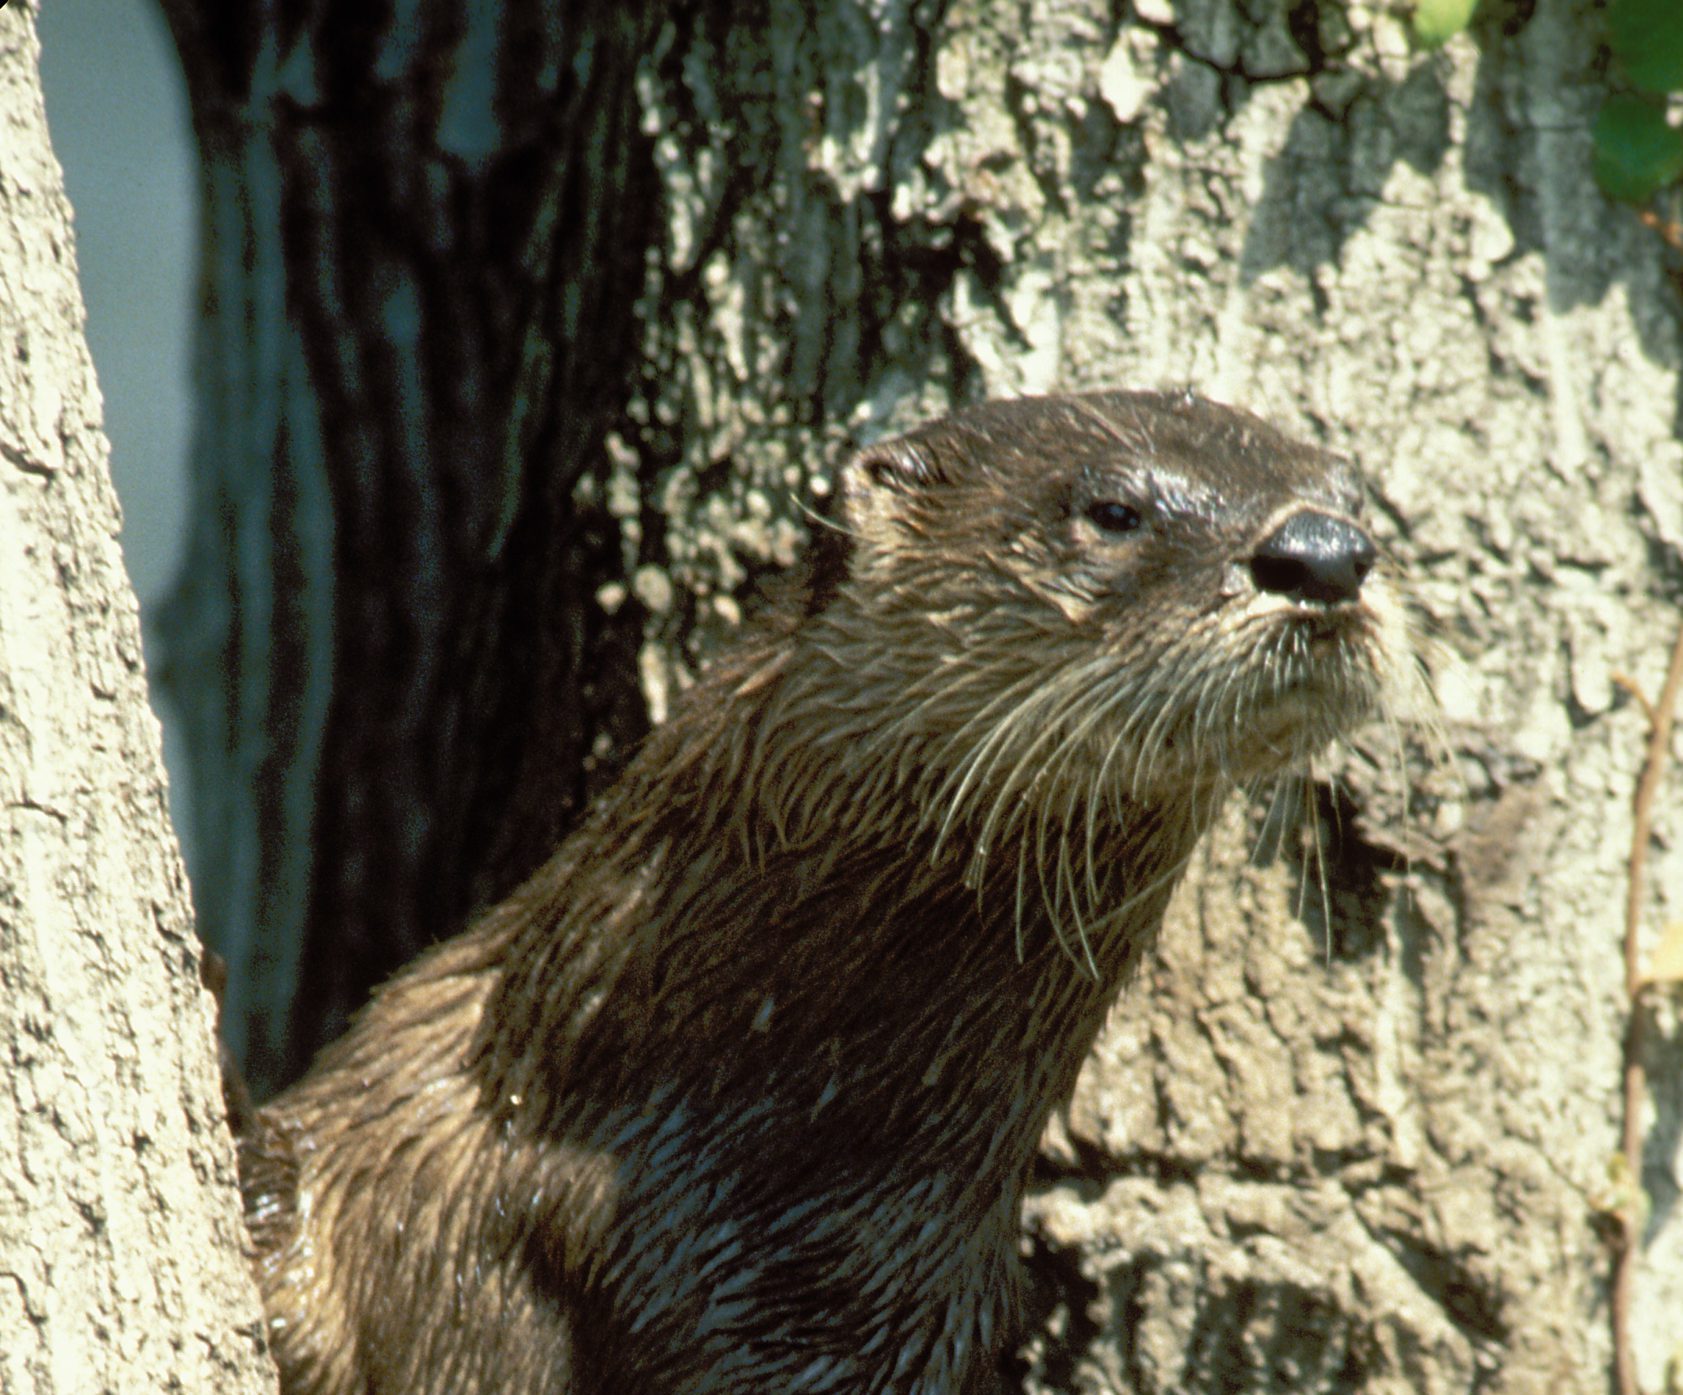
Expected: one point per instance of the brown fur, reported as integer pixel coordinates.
(740, 1091)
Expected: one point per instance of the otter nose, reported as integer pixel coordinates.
(1314, 557)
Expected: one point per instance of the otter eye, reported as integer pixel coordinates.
(1114, 516)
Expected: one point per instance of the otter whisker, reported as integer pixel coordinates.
(966, 771)
(943, 688)
(1066, 876)
(1162, 717)
(1055, 895)
(1071, 685)
(1210, 731)
(1306, 833)
(1022, 872)
(1265, 845)
(1102, 712)
(1054, 922)
(907, 731)
(1124, 740)
(1156, 882)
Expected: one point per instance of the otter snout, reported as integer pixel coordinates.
(1314, 557)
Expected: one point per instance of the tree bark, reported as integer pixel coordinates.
(421, 240)
(1332, 1142)
(121, 1264)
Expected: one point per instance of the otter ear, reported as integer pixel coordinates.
(880, 482)
(897, 464)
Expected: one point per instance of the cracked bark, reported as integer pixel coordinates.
(120, 1233)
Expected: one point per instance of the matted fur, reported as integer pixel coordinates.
(740, 1091)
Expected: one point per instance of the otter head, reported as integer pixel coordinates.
(1119, 595)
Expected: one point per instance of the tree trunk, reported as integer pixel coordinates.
(121, 1263)
(1338, 1140)
(420, 247)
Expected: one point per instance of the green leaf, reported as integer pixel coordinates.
(1636, 152)
(1646, 36)
(1438, 21)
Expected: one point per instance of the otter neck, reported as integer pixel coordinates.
(866, 993)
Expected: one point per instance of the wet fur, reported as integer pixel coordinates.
(740, 1091)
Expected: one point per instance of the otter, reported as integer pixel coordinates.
(741, 1090)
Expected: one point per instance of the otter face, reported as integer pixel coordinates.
(1165, 591)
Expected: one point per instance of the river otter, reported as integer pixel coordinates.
(740, 1091)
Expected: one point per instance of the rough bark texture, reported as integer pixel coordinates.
(1356, 1146)
(120, 1233)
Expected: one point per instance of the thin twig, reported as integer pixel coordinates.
(1640, 698)
(1668, 228)
(1660, 716)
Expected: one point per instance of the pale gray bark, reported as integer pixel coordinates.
(121, 1261)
